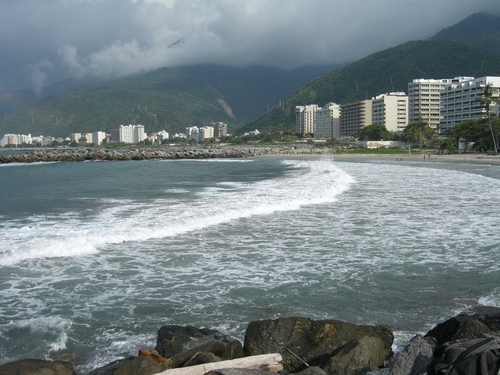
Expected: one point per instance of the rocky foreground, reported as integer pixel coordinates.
(301, 345)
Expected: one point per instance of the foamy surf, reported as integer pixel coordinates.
(68, 235)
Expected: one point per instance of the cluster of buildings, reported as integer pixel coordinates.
(441, 103)
(124, 134)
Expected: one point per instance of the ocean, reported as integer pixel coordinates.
(95, 257)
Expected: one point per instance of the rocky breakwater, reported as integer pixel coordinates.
(293, 345)
(100, 154)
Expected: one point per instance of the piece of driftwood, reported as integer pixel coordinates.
(215, 347)
(265, 362)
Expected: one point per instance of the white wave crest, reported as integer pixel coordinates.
(307, 183)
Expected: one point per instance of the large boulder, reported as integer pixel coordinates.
(489, 316)
(460, 327)
(130, 366)
(413, 359)
(175, 339)
(302, 341)
(37, 367)
(356, 357)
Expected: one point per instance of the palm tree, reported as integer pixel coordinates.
(487, 100)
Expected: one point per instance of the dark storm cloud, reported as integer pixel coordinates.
(46, 40)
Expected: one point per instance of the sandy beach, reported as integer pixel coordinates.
(429, 158)
(455, 158)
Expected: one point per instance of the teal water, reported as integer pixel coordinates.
(96, 257)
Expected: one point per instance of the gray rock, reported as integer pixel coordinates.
(130, 366)
(356, 357)
(311, 370)
(301, 340)
(201, 358)
(459, 327)
(37, 367)
(237, 371)
(175, 339)
(413, 359)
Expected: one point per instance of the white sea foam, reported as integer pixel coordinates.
(54, 328)
(27, 164)
(124, 221)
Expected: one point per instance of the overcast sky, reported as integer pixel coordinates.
(43, 41)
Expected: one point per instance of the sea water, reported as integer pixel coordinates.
(96, 257)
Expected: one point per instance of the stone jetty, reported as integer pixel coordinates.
(103, 154)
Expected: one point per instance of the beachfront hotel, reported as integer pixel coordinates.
(355, 116)
(327, 122)
(461, 100)
(424, 100)
(391, 110)
(305, 117)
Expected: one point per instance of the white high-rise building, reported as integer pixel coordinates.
(461, 100)
(205, 132)
(131, 133)
(304, 118)
(126, 134)
(98, 137)
(139, 133)
(192, 132)
(391, 110)
(424, 100)
(75, 137)
(327, 121)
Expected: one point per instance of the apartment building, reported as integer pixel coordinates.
(327, 121)
(205, 132)
(98, 138)
(220, 129)
(424, 100)
(461, 100)
(391, 110)
(355, 116)
(304, 118)
(192, 132)
(131, 133)
(75, 137)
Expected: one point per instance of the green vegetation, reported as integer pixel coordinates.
(375, 132)
(480, 30)
(477, 132)
(487, 100)
(420, 133)
(165, 99)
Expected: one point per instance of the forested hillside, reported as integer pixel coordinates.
(481, 30)
(164, 99)
(382, 72)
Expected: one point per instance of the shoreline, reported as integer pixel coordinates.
(453, 158)
(100, 154)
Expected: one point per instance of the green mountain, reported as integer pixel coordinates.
(251, 90)
(480, 30)
(381, 72)
(164, 99)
